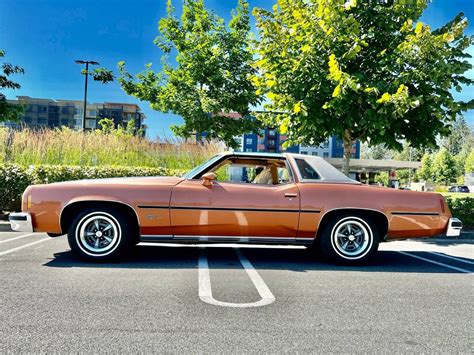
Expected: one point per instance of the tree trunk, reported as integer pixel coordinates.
(347, 144)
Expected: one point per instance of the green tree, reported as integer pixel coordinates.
(378, 151)
(461, 160)
(444, 167)
(9, 112)
(461, 138)
(469, 165)
(106, 125)
(213, 65)
(102, 74)
(426, 171)
(361, 70)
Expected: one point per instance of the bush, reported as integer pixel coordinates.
(14, 179)
(462, 208)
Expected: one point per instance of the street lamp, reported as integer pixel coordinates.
(86, 62)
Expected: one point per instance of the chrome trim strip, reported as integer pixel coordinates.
(152, 206)
(154, 238)
(223, 239)
(353, 208)
(231, 209)
(228, 209)
(96, 200)
(310, 211)
(396, 213)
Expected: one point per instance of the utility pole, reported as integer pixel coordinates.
(86, 62)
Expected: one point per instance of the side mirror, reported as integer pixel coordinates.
(208, 178)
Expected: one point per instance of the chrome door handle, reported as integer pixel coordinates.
(291, 195)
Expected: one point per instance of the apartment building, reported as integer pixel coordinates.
(331, 148)
(50, 113)
(43, 113)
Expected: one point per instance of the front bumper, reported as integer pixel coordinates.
(454, 227)
(21, 222)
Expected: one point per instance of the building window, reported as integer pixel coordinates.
(326, 144)
(249, 141)
(304, 152)
(42, 109)
(271, 132)
(315, 154)
(248, 150)
(42, 121)
(326, 155)
(90, 124)
(92, 113)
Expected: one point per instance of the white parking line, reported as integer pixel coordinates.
(23, 246)
(205, 289)
(19, 237)
(435, 262)
(454, 258)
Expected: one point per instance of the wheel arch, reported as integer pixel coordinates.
(68, 212)
(378, 217)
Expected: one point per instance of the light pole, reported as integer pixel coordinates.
(86, 62)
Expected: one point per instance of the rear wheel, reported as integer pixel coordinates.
(101, 235)
(349, 239)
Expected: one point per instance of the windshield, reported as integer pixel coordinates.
(201, 167)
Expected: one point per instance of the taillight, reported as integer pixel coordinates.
(442, 203)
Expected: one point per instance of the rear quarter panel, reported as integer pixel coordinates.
(409, 213)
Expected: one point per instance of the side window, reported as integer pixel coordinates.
(253, 171)
(306, 171)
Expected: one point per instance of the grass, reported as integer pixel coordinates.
(456, 195)
(68, 147)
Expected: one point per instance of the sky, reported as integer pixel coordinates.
(45, 38)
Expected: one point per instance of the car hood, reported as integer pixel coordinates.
(130, 181)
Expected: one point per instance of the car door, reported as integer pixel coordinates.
(229, 208)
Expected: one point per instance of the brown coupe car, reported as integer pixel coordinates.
(235, 198)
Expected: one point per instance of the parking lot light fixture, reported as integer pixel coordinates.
(86, 73)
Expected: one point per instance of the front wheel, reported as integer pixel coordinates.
(349, 239)
(100, 235)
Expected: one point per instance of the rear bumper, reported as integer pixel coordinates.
(21, 222)
(454, 227)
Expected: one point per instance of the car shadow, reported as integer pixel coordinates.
(268, 258)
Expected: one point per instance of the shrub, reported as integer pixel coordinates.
(14, 179)
(462, 208)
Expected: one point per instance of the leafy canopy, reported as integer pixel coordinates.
(8, 112)
(210, 73)
(360, 70)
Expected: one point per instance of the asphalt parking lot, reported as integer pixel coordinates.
(414, 296)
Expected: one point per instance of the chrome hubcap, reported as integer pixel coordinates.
(351, 238)
(98, 233)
